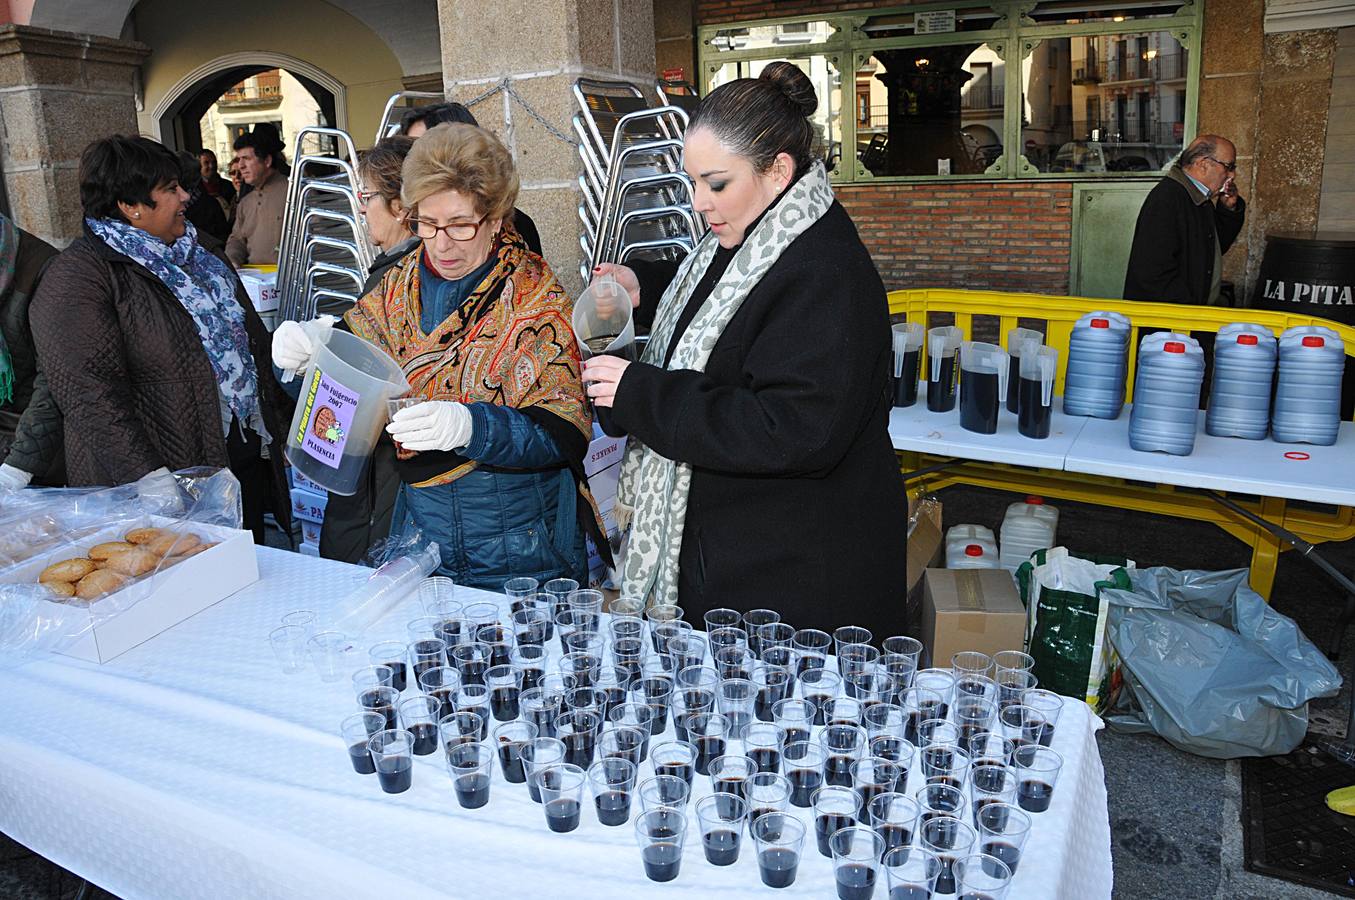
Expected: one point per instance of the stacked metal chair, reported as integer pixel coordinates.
(637, 201)
(325, 253)
(397, 105)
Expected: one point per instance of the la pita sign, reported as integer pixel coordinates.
(1300, 292)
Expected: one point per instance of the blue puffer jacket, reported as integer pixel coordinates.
(515, 514)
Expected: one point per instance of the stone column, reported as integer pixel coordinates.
(59, 91)
(542, 47)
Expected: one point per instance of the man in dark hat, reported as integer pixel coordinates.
(258, 218)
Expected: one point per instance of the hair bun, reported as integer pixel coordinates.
(794, 84)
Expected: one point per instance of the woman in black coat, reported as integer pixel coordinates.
(760, 471)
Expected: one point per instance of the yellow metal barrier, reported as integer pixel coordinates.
(1312, 522)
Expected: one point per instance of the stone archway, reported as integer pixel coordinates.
(187, 100)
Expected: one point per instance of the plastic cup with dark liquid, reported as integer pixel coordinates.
(661, 834)
(469, 766)
(558, 590)
(475, 698)
(708, 733)
(811, 647)
(458, 728)
(795, 718)
(910, 873)
(370, 677)
(471, 660)
(779, 838)
(907, 338)
(988, 748)
(974, 716)
(768, 792)
(938, 799)
(393, 757)
(383, 700)
(753, 620)
(1035, 393)
(633, 715)
(981, 876)
(802, 762)
(675, 758)
(505, 687)
(1048, 704)
(540, 752)
(427, 653)
(896, 750)
(612, 783)
(774, 678)
(943, 346)
(357, 731)
(762, 743)
(629, 653)
(419, 716)
(873, 776)
(532, 661)
(579, 729)
(663, 790)
(834, 808)
(735, 698)
(622, 742)
(949, 839)
(1022, 725)
(1037, 771)
(656, 692)
(1003, 830)
(723, 618)
(894, 818)
(843, 745)
(817, 687)
(580, 668)
(856, 861)
(721, 819)
(561, 789)
(509, 739)
(734, 662)
(729, 775)
(392, 655)
(883, 718)
(520, 589)
(530, 627)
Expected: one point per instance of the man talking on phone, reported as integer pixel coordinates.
(1187, 223)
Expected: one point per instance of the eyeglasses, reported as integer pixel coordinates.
(365, 197)
(457, 231)
(1227, 166)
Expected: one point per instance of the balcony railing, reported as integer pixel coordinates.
(251, 94)
(983, 94)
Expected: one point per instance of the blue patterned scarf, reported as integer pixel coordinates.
(9, 255)
(205, 286)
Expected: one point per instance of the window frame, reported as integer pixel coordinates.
(1013, 38)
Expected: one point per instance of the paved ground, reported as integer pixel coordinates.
(1175, 818)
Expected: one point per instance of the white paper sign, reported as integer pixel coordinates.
(943, 167)
(940, 21)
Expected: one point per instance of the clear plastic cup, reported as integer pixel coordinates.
(674, 758)
(842, 746)
(521, 588)
(731, 774)
(843, 711)
(753, 620)
(795, 718)
(982, 876)
(475, 698)
(989, 785)
(393, 756)
(762, 743)
(1022, 725)
(332, 655)
(896, 750)
(989, 748)
(628, 607)
(818, 686)
(911, 873)
(936, 800)
(579, 729)
(728, 636)
(505, 689)
(944, 763)
(811, 647)
(623, 742)
(663, 790)
(1037, 769)
(873, 776)
(708, 733)
(540, 752)
(734, 662)
(303, 618)
(369, 677)
(950, 840)
(920, 705)
(459, 728)
(974, 715)
(419, 716)
(802, 763)
(735, 698)
(883, 718)
(834, 807)
(1012, 684)
(392, 655)
(723, 618)
(856, 861)
(612, 782)
(655, 691)
(971, 662)
(509, 740)
(531, 661)
(938, 731)
(381, 700)
(721, 819)
(441, 683)
(768, 792)
(289, 647)
(1003, 830)
(1013, 659)
(471, 661)
(470, 766)
(561, 789)
(894, 818)
(779, 838)
(661, 834)
(1050, 705)
(357, 731)
(427, 653)
(634, 715)
(435, 589)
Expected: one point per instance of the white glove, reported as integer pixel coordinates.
(432, 425)
(13, 479)
(158, 492)
(295, 343)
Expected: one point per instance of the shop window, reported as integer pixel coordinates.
(1077, 12)
(823, 72)
(769, 37)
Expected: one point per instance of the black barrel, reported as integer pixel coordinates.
(1314, 276)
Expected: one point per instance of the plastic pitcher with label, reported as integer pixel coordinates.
(604, 324)
(943, 376)
(983, 385)
(971, 547)
(341, 411)
(1017, 341)
(1035, 391)
(908, 339)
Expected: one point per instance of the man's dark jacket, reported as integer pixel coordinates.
(30, 424)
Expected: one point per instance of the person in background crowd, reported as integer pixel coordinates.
(150, 344)
(30, 423)
(490, 459)
(418, 120)
(258, 217)
(213, 185)
(1186, 224)
(241, 189)
(758, 413)
(202, 210)
(354, 523)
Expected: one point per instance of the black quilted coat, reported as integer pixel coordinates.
(128, 370)
(30, 425)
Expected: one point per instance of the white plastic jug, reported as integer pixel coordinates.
(604, 323)
(1017, 341)
(1028, 526)
(971, 547)
(943, 344)
(983, 385)
(341, 411)
(908, 338)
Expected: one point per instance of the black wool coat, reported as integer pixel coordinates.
(797, 502)
(1172, 259)
(30, 424)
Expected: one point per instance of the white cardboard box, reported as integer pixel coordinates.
(309, 505)
(310, 532)
(306, 548)
(262, 288)
(175, 594)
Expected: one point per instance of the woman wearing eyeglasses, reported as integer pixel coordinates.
(490, 462)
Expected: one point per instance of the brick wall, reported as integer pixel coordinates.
(997, 235)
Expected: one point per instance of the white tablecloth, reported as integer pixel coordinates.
(191, 767)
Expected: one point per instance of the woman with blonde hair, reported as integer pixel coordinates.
(491, 458)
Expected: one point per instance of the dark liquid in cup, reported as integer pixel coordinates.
(531, 677)
(777, 867)
(446, 698)
(945, 882)
(722, 847)
(707, 749)
(909, 892)
(472, 671)
(1013, 376)
(895, 835)
(1008, 853)
(679, 770)
(597, 345)
(361, 758)
(855, 882)
(767, 759)
(803, 784)
(869, 791)
(978, 401)
(613, 807)
(828, 824)
(941, 392)
(1033, 418)
(976, 895)
(510, 762)
(372, 702)
(562, 814)
(503, 702)
(1047, 735)
(837, 770)
(659, 720)
(662, 861)
(905, 386)
(472, 791)
(795, 734)
(396, 775)
(399, 674)
(737, 786)
(1034, 796)
(579, 748)
(818, 701)
(543, 717)
(425, 738)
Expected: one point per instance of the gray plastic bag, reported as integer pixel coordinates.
(1210, 667)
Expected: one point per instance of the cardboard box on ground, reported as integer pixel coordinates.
(970, 609)
(924, 551)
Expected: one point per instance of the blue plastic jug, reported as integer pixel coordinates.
(1308, 392)
(1098, 365)
(1244, 373)
(1167, 394)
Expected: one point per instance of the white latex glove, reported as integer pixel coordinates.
(432, 425)
(158, 492)
(295, 343)
(13, 479)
